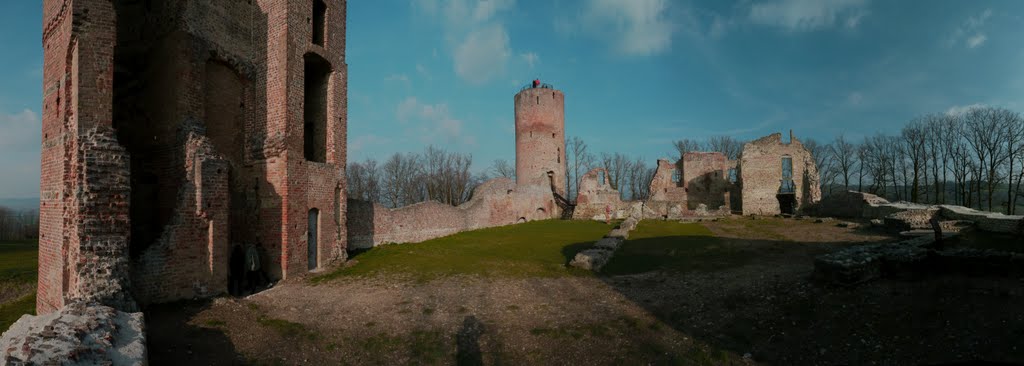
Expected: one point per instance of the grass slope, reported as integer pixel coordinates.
(673, 246)
(18, 268)
(533, 249)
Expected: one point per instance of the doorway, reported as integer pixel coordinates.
(314, 231)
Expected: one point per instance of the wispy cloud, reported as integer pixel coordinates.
(399, 78)
(971, 32)
(433, 123)
(361, 143)
(530, 58)
(636, 27)
(961, 109)
(854, 99)
(476, 34)
(807, 15)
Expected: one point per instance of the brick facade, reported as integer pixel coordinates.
(175, 129)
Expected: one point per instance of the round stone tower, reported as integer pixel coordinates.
(540, 137)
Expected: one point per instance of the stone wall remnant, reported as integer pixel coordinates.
(78, 334)
(765, 189)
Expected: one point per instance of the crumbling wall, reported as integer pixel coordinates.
(496, 202)
(662, 187)
(704, 179)
(179, 125)
(760, 170)
(596, 197)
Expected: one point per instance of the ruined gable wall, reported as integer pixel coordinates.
(596, 197)
(704, 179)
(760, 170)
(497, 202)
(662, 187)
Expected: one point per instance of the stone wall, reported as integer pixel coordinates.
(496, 202)
(662, 188)
(760, 174)
(906, 215)
(596, 197)
(705, 179)
(175, 129)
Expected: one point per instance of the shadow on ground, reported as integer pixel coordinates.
(173, 339)
(714, 290)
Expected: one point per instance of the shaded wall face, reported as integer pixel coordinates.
(761, 175)
(705, 179)
(540, 138)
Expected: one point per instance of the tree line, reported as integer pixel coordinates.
(407, 178)
(18, 225)
(974, 158)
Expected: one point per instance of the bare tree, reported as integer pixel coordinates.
(401, 177)
(446, 176)
(686, 145)
(844, 154)
(502, 168)
(579, 161)
(986, 132)
(914, 143)
(616, 165)
(18, 225)
(728, 146)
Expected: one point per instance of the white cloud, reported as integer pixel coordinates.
(970, 32)
(958, 110)
(530, 58)
(431, 122)
(806, 15)
(475, 34)
(399, 78)
(636, 27)
(482, 55)
(976, 40)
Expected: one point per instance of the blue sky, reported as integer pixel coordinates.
(637, 74)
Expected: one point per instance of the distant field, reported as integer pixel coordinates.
(18, 269)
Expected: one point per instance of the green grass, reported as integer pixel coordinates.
(533, 249)
(18, 268)
(673, 246)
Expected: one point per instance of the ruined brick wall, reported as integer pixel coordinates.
(195, 143)
(540, 137)
(84, 194)
(704, 179)
(760, 170)
(496, 202)
(596, 196)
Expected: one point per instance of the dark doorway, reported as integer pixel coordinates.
(787, 201)
(314, 220)
(317, 77)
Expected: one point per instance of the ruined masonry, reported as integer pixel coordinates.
(175, 129)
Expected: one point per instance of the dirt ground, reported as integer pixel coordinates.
(760, 311)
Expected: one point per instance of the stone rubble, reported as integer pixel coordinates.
(78, 334)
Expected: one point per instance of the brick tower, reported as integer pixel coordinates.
(540, 137)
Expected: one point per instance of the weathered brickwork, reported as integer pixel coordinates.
(540, 137)
(596, 198)
(760, 175)
(496, 202)
(175, 129)
(705, 179)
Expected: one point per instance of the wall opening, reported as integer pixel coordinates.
(787, 185)
(317, 77)
(319, 21)
(677, 176)
(601, 178)
(732, 175)
(313, 234)
(558, 156)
